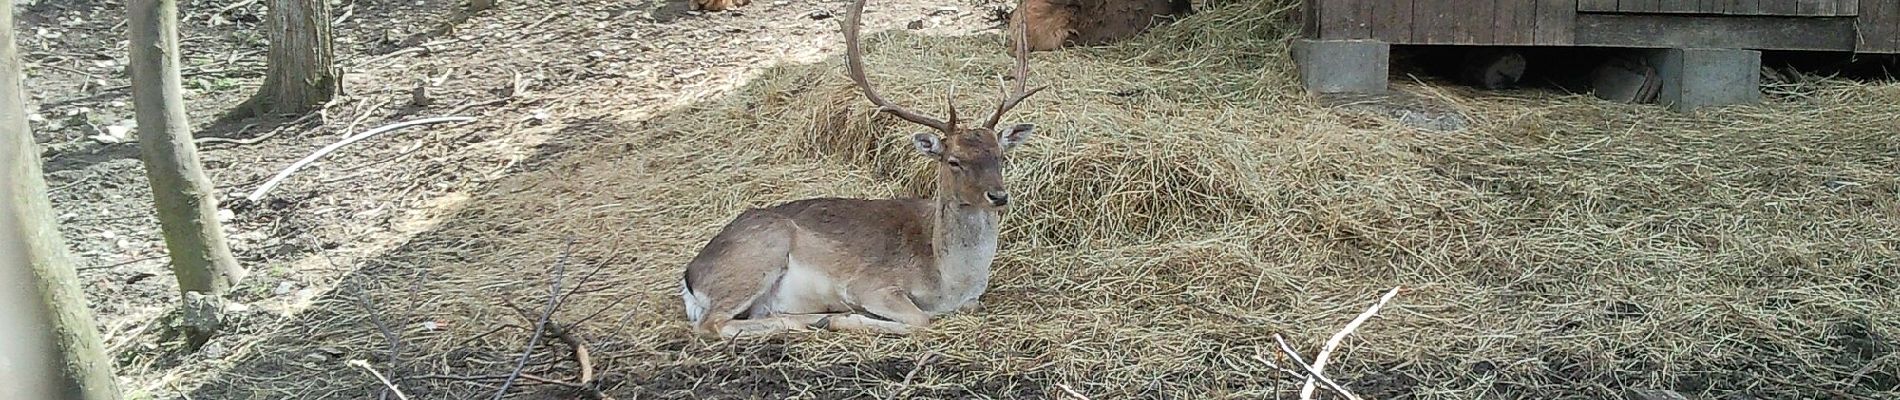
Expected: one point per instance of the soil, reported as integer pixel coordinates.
(523, 70)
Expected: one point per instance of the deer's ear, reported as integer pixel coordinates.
(928, 143)
(1014, 135)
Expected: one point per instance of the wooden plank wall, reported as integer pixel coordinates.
(1503, 22)
(1554, 22)
(1878, 26)
(1816, 8)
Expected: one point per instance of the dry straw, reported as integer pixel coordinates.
(1184, 202)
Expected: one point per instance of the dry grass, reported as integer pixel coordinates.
(1182, 203)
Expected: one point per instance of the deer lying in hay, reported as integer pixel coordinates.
(717, 5)
(882, 266)
(1053, 24)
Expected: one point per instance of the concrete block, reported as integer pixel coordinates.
(1342, 66)
(1696, 78)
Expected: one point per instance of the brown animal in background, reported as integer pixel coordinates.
(717, 5)
(883, 266)
(1053, 24)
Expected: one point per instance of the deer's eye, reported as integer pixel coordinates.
(955, 164)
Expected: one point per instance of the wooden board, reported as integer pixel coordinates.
(1742, 32)
(1309, 19)
(1878, 27)
(1871, 26)
(1344, 19)
(1556, 22)
(1596, 5)
(1515, 23)
(1819, 8)
(1679, 6)
(1476, 23)
(1433, 22)
(1392, 21)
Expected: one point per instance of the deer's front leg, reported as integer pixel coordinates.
(974, 306)
(900, 315)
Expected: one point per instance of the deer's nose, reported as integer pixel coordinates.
(998, 198)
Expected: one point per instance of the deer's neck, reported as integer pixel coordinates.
(964, 240)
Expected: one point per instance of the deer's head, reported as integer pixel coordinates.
(969, 159)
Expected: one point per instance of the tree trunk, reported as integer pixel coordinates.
(301, 74)
(61, 325)
(187, 210)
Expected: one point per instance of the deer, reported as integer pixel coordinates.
(717, 5)
(1053, 24)
(883, 266)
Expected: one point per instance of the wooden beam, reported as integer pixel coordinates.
(1736, 32)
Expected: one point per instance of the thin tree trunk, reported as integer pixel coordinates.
(78, 359)
(187, 209)
(301, 73)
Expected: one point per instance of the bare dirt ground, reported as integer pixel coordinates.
(526, 70)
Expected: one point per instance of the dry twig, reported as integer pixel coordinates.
(272, 183)
(526, 377)
(540, 326)
(258, 138)
(1072, 392)
(1311, 373)
(379, 377)
(1319, 361)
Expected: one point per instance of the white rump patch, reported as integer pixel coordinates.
(696, 304)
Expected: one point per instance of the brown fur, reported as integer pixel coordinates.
(718, 5)
(886, 265)
(1053, 24)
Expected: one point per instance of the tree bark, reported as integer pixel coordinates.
(59, 324)
(187, 209)
(301, 73)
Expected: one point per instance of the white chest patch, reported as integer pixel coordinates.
(966, 275)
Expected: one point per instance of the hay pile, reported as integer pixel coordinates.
(1184, 201)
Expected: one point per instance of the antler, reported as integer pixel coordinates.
(853, 59)
(1010, 99)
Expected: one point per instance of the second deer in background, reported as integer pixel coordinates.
(1053, 24)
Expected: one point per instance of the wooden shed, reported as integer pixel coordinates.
(1729, 30)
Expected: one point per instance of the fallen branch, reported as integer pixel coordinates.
(395, 342)
(235, 6)
(380, 58)
(379, 377)
(565, 333)
(579, 348)
(274, 181)
(259, 138)
(1319, 360)
(1311, 373)
(540, 327)
(530, 378)
(465, 107)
